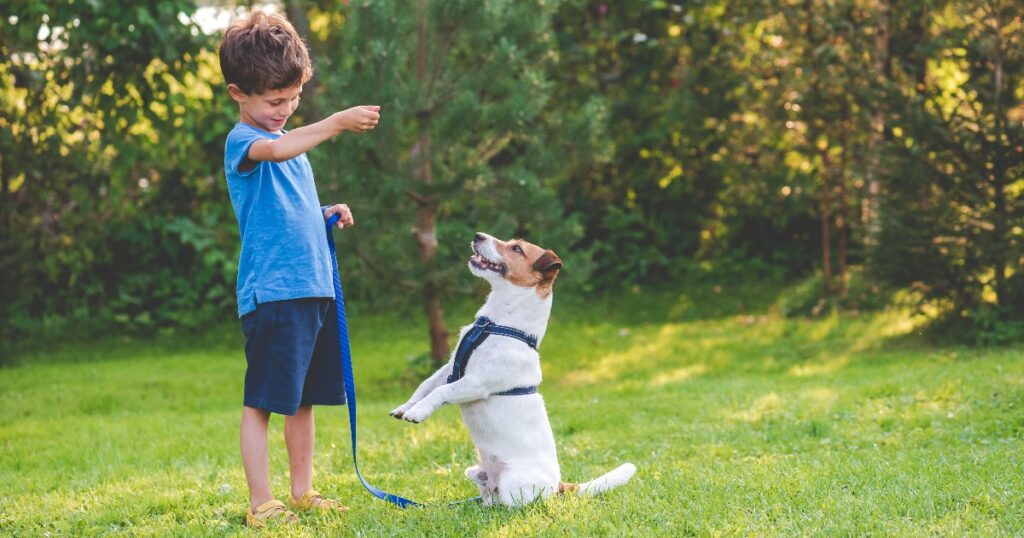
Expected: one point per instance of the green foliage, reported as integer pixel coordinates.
(728, 125)
(643, 189)
(124, 144)
(995, 326)
(468, 101)
(810, 298)
(954, 207)
(646, 142)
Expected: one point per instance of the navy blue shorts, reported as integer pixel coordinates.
(291, 348)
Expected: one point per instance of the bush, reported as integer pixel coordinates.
(809, 297)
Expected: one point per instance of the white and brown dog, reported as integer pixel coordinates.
(496, 391)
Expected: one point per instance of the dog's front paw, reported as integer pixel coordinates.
(399, 411)
(417, 414)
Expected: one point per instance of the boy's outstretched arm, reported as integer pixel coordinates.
(358, 119)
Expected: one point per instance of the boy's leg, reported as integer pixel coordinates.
(253, 438)
(322, 385)
(299, 433)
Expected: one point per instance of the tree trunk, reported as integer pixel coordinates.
(3, 188)
(841, 220)
(426, 238)
(826, 223)
(818, 127)
(876, 140)
(1001, 217)
(425, 230)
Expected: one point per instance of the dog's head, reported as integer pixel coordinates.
(516, 261)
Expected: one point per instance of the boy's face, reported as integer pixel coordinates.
(268, 110)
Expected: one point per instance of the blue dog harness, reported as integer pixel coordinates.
(482, 328)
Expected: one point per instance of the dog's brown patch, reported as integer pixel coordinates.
(529, 265)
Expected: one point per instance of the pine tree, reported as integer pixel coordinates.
(955, 210)
(464, 145)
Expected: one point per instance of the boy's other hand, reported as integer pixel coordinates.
(343, 211)
(359, 119)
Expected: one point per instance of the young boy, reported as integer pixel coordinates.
(285, 288)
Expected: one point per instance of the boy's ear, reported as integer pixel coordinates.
(236, 93)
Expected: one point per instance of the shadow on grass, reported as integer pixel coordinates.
(91, 341)
(77, 345)
(638, 353)
(683, 332)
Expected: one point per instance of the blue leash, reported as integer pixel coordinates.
(350, 380)
(349, 376)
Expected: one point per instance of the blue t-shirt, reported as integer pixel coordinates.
(284, 247)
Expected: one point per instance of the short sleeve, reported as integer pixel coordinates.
(237, 148)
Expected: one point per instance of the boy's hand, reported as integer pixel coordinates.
(343, 211)
(359, 119)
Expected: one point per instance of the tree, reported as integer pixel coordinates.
(108, 130)
(463, 143)
(958, 139)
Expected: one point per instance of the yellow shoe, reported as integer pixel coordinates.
(312, 500)
(272, 510)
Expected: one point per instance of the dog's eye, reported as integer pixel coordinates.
(517, 248)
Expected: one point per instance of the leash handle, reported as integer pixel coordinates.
(347, 372)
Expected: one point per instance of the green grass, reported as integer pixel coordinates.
(740, 421)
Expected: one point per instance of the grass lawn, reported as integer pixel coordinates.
(740, 422)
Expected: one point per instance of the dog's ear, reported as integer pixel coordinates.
(548, 263)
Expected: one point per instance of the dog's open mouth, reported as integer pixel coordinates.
(480, 262)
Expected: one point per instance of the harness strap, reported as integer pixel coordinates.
(518, 391)
(482, 328)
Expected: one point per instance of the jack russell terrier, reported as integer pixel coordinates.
(497, 389)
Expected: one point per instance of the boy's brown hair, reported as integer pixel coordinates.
(264, 52)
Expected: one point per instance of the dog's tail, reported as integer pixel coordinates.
(617, 477)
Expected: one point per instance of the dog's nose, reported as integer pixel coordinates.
(478, 237)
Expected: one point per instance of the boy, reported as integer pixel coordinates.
(285, 288)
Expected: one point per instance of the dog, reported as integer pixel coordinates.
(496, 390)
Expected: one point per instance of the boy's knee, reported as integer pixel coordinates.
(255, 412)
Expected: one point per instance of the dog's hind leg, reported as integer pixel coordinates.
(478, 476)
